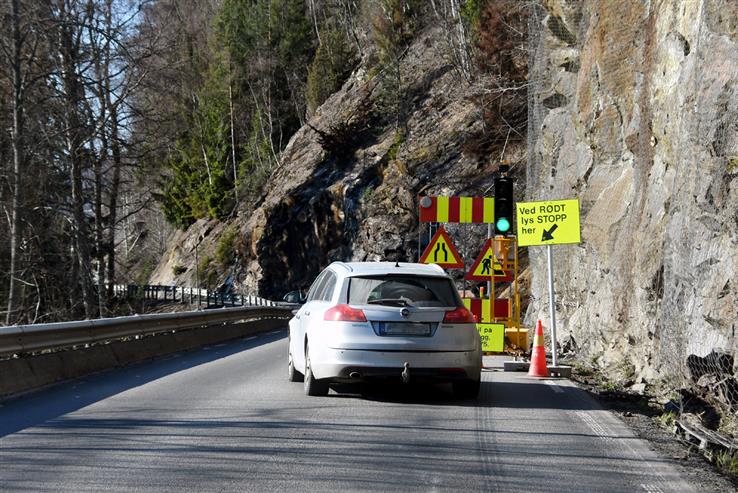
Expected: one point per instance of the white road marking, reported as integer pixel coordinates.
(595, 426)
(652, 488)
(606, 435)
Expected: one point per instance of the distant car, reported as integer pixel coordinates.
(294, 297)
(370, 320)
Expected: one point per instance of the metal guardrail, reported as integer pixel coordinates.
(207, 297)
(29, 338)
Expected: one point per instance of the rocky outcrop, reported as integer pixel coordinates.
(348, 182)
(635, 113)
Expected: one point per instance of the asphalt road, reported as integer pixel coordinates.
(225, 418)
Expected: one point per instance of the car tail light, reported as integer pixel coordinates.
(459, 316)
(344, 313)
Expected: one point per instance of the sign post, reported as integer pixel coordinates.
(551, 303)
(551, 222)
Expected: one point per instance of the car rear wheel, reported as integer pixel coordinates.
(466, 389)
(292, 374)
(313, 386)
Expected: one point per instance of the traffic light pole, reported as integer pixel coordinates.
(551, 304)
(490, 234)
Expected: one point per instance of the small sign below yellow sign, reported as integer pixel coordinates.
(550, 222)
(492, 336)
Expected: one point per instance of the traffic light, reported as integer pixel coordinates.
(503, 205)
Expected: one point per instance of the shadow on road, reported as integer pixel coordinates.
(38, 407)
(513, 395)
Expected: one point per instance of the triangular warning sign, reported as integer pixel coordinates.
(485, 265)
(442, 252)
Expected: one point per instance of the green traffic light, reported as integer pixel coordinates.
(502, 225)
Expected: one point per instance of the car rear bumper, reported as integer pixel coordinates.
(348, 365)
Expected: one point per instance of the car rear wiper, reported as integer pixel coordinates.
(389, 301)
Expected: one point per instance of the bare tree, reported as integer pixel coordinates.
(19, 53)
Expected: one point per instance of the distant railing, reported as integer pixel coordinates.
(209, 298)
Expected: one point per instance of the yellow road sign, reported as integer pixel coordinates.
(442, 251)
(550, 222)
(486, 265)
(493, 337)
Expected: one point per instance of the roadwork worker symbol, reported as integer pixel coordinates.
(486, 265)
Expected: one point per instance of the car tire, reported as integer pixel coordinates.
(466, 389)
(292, 374)
(313, 386)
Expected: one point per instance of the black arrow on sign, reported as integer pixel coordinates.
(547, 234)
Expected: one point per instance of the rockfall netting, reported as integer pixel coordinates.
(632, 108)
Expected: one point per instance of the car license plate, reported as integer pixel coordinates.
(405, 329)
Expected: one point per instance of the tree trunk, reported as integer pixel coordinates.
(233, 133)
(17, 143)
(73, 143)
(113, 197)
(99, 226)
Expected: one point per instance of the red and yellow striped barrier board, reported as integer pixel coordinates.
(457, 209)
(480, 308)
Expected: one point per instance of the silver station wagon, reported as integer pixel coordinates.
(372, 320)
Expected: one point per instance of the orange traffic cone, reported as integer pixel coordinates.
(538, 358)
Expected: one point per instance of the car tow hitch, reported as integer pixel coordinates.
(406, 373)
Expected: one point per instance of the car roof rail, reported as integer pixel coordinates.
(344, 265)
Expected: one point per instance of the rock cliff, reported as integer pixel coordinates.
(635, 112)
(348, 182)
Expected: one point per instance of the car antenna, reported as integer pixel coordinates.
(397, 263)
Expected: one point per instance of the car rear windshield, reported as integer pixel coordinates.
(402, 290)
